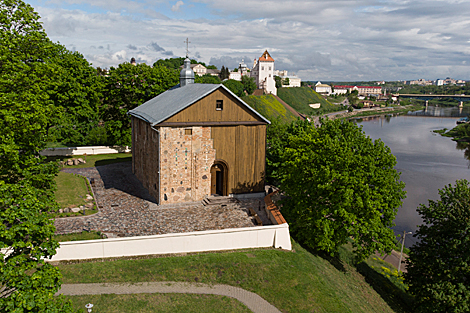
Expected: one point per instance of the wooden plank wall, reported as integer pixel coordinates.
(243, 148)
(205, 111)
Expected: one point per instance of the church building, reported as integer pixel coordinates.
(197, 140)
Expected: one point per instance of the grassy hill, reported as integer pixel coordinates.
(269, 107)
(300, 97)
(293, 281)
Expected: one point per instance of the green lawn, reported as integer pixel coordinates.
(78, 236)
(269, 107)
(293, 281)
(300, 97)
(71, 190)
(158, 303)
(96, 160)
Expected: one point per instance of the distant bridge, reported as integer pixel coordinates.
(460, 98)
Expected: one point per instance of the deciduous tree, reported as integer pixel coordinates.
(235, 86)
(27, 283)
(439, 262)
(248, 84)
(128, 86)
(339, 184)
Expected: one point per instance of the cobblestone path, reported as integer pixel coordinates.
(126, 208)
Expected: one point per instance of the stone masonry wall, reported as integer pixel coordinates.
(186, 160)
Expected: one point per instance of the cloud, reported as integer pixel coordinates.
(156, 47)
(177, 6)
(318, 40)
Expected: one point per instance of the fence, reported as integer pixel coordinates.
(276, 236)
(82, 150)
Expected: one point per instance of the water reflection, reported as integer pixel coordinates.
(427, 161)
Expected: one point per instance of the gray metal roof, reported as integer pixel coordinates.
(172, 101)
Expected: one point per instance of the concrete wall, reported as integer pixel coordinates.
(82, 150)
(276, 236)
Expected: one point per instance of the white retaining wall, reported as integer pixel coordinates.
(276, 236)
(82, 150)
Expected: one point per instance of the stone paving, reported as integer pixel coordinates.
(253, 301)
(126, 208)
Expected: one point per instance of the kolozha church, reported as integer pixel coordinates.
(197, 140)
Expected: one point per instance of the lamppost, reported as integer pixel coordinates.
(88, 307)
(402, 244)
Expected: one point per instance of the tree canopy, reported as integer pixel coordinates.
(26, 182)
(128, 86)
(439, 262)
(235, 86)
(248, 84)
(339, 184)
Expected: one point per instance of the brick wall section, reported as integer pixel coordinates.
(186, 160)
(272, 210)
(145, 156)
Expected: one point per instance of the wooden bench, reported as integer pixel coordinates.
(258, 220)
(252, 212)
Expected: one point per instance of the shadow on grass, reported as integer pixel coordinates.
(112, 160)
(397, 298)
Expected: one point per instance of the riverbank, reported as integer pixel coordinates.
(378, 111)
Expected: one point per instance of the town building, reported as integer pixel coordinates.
(323, 88)
(201, 70)
(294, 81)
(196, 140)
(263, 73)
(361, 90)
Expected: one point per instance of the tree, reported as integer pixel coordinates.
(127, 87)
(248, 84)
(286, 81)
(28, 283)
(278, 81)
(235, 86)
(439, 262)
(77, 92)
(339, 185)
(207, 79)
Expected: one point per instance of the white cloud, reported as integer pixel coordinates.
(319, 40)
(177, 6)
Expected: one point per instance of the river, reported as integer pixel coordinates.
(427, 161)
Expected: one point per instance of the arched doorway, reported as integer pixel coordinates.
(219, 178)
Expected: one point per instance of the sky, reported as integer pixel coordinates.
(328, 40)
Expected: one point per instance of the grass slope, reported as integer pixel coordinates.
(293, 281)
(300, 97)
(71, 190)
(269, 107)
(158, 303)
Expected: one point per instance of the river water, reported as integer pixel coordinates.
(427, 161)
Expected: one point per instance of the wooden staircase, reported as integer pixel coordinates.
(218, 200)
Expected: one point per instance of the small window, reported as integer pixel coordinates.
(262, 68)
(188, 131)
(270, 68)
(219, 105)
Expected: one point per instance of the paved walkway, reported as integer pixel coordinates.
(254, 302)
(126, 208)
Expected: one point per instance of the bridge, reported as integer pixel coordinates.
(460, 98)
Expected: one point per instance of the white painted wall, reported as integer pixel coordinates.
(82, 150)
(276, 236)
